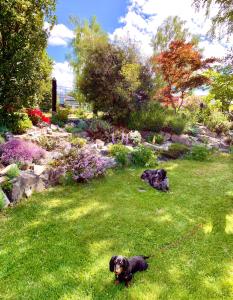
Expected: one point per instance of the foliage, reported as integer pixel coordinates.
(198, 152)
(143, 156)
(99, 129)
(2, 200)
(180, 67)
(217, 122)
(2, 140)
(150, 117)
(221, 89)
(87, 164)
(13, 172)
(48, 143)
(115, 82)
(61, 116)
(223, 16)
(175, 123)
(21, 123)
(120, 153)
(81, 126)
(78, 142)
(155, 138)
(36, 116)
(24, 64)
(172, 29)
(176, 150)
(135, 137)
(20, 151)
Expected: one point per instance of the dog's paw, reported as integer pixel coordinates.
(116, 282)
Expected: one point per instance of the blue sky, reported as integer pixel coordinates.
(107, 12)
(137, 19)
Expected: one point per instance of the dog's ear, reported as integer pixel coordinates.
(125, 263)
(111, 263)
(164, 173)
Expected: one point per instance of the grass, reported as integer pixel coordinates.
(58, 244)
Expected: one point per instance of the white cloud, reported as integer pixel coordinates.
(64, 74)
(144, 16)
(60, 35)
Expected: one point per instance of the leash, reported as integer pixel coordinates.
(175, 244)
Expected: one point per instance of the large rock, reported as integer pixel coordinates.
(38, 169)
(181, 139)
(99, 143)
(6, 200)
(158, 148)
(25, 185)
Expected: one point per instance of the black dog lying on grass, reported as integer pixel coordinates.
(124, 268)
(157, 179)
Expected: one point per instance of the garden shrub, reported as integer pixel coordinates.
(155, 139)
(120, 153)
(47, 143)
(2, 200)
(149, 117)
(143, 156)
(3, 129)
(78, 142)
(199, 153)
(21, 124)
(61, 116)
(218, 122)
(2, 140)
(135, 137)
(20, 151)
(175, 123)
(13, 172)
(86, 164)
(36, 116)
(99, 129)
(82, 126)
(176, 150)
(192, 130)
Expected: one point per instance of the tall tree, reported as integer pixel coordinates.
(180, 67)
(88, 36)
(23, 40)
(172, 29)
(223, 19)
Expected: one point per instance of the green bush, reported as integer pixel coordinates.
(3, 129)
(199, 153)
(218, 122)
(175, 123)
(60, 117)
(47, 143)
(78, 142)
(120, 153)
(143, 156)
(176, 150)
(2, 140)
(150, 117)
(20, 124)
(155, 139)
(2, 200)
(97, 125)
(13, 172)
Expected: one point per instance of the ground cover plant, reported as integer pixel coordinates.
(57, 245)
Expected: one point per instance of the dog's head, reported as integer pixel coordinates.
(161, 175)
(118, 264)
(145, 175)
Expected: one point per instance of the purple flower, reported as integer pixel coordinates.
(21, 151)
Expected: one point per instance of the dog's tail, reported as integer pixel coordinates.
(145, 257)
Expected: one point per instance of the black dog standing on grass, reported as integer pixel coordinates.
(124, 268)
(157, 179)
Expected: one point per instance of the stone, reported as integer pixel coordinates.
(54, 127)
(99, 143)
(158, 148)
(49, 131)
(181, 139)
(25, 185)
(3, 179)
(5, 170)
(5, 198)
(9, 136)
(38, 169)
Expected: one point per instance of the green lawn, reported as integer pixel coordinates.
(57, 245)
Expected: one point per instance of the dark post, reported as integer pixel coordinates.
(54, 95)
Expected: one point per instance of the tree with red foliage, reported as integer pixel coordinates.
(181, 68)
